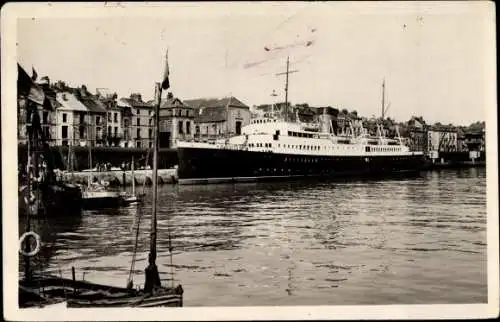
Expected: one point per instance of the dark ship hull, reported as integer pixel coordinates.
(54, 199)
(205, 165)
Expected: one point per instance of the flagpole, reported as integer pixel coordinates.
(152, 278)
(155, 173)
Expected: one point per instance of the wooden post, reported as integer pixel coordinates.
(73, 275)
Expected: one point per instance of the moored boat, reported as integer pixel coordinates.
(272, 149)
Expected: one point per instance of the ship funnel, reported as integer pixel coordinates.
(327, 119)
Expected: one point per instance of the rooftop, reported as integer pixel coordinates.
(210, 114)
(68, 101)
(215, 102)
(93, 104)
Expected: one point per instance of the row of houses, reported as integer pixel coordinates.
(444, 138)
(74, 116)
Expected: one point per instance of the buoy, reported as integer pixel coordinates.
(38, 243)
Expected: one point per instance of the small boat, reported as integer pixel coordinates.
(132, 198)
(96, 196)
(53, 291)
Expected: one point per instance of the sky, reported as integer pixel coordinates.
(431, 55)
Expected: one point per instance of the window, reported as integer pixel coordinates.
(150, 133)
(181, 130)
(150, 121)
(138, 121)
(109, 130)
(109, 117)
(150, 145)
(82, 132)
(97, 119)
(138, 144)
(197, 129)
(138, 111)
(138, 133)
(64, 117)
(82, 118)
(188, 127)
(45, 117)
(65, 131)
(116, 130)
(116, 117)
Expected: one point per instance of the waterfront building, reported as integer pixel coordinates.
(71, 120)
(176, 122)
(218, 117)
(96, 117)
(442, 139)
(126, 113)
(475, 141)
(141, 121)
(47, 121)
(46, 108)
(114, 118)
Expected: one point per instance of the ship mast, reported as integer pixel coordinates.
(288, 71)
(383, 99)
(286, 87)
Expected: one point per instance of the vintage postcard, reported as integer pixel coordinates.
(249, 161)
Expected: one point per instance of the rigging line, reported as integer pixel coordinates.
(134, 254)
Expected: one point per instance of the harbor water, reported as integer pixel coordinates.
(407, 241)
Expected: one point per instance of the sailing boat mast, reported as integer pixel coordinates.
(152, 275)
(383, 99)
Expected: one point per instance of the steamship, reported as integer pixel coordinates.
(272, 147)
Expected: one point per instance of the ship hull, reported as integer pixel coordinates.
(209, 165)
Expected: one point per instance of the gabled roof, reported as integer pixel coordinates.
(173, 102)
(124, 102)
(135, 103)
(215, 102)
(69, 102)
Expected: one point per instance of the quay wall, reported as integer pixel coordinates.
(58, 155)
(119, 178)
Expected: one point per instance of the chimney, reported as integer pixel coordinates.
(136, 97)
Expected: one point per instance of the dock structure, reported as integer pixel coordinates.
(123, 178)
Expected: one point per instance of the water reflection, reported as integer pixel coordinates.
(358, 242)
